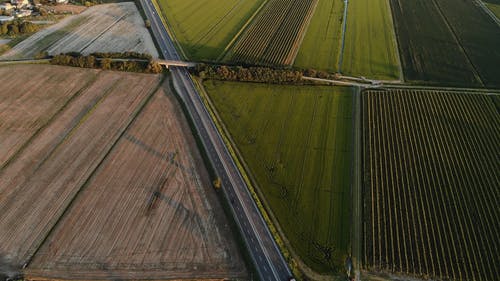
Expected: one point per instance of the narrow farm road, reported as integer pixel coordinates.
(342, 44)
(356, 183)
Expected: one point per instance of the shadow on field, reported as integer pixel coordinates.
(8, 270)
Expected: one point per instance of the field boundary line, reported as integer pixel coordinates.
(487, 10)
(395, 41)
(472, 91)
(77, 125)
(302, 33)
(357, 190)
(237, 36)
(63, 213)
(169, 30)
(52, 118)
(342, 41)
(103, 32)
(213, 29)
(459, 43)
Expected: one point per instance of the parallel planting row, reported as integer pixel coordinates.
(100, 179)
(297, 144)
(431, 184)
(203, 28)
(275, 35)
(447, 41)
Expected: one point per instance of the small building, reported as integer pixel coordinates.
(6, 19)
(6, 7)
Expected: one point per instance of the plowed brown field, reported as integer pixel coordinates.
(110, 188)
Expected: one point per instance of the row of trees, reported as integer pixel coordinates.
(259, 74)
(250, 74)
(108, 62)
(13, 28)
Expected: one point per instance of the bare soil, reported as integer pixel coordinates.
(74, 9)
(116, 27)
(112, 188)
(42, 92)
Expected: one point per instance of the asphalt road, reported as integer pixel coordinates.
(263, 250)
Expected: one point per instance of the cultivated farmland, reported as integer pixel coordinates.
(203, 28)
(320, 47)
(296, 142)
(494, 6)
(478, 34)
(275, 35)
(40, 98)
(114, 27)
(112, 188)
(432, 179)
(447, 42)
(370, 43)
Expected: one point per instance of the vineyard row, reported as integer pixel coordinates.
(431, 184)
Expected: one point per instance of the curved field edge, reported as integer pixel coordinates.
(204, 28)
(284, 174)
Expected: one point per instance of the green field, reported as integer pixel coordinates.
(370, 44)
(320, 48)
(494, 6)
(204, 28)
(297, 143)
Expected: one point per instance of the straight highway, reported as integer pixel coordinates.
(266, 256)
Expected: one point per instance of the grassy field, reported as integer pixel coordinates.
(370, 45)
(203, 28)
(494, 6)
(297, 144)
(320, 47)
(431, 183)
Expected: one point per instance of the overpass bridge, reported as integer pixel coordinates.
(168, 63)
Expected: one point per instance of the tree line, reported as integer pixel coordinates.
(132, 62)
(258, 74)
(13, 28)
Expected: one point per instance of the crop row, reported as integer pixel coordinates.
(431, 184)
(40, 183)
(145, 207)
(274, 37)
(447, 42)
